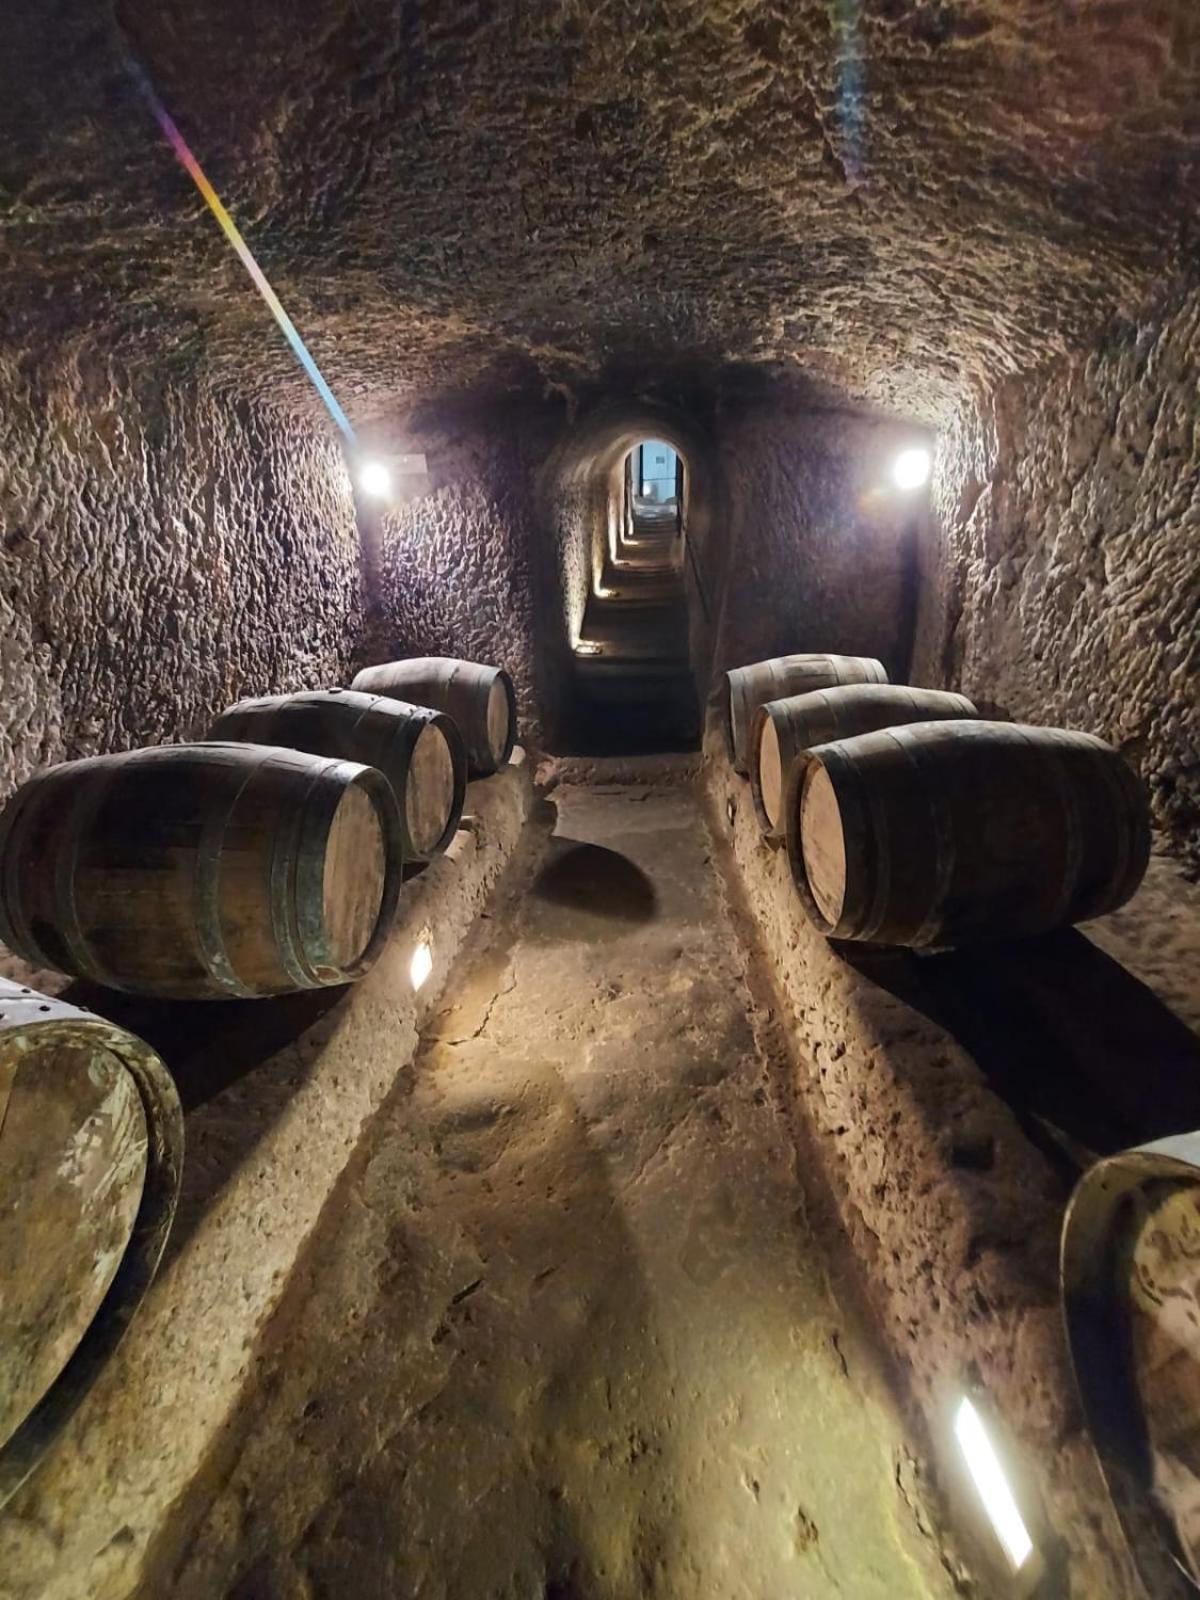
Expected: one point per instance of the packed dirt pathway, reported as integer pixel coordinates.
(567, 1328)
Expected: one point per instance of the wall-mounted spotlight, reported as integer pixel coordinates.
(374, 479)
(911, 468)
(992, 1486)
(586, 648)
(421, 964)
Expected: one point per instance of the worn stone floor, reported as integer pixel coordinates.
(568, 1328)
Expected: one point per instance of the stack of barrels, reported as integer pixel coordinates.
(267, 858)
(910, 820)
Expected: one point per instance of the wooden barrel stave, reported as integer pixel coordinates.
(480, 699)
(201, 870)
(418, 749)
(780, 729)
(956, 831)
(91, 1149)
(1131, 1290)
(747, 688)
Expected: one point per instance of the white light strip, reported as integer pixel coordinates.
(422, 964)
(988, 1475)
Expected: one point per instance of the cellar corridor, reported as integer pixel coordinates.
(635, 688)
(599, 709)
(573, 1323)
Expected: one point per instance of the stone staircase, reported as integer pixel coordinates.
(633, 677)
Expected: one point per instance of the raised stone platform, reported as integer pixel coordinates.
(277, 1094)
(953, 1099)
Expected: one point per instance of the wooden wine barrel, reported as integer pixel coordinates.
(202, 870)
(947, 832)
(1131, 1300)
(480, 699)
(91, 1148)
(782, 728)
(747, 688)
(419, 751)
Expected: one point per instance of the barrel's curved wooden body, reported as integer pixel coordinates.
(1131, 1297)
(91, 1149)
(941, 833)
(202, 870)
(419, 751)
(747, 688)
(782, 728)
(480, 699)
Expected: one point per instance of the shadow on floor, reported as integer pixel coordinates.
(210, 1044)
(1087, 1057)
(214, 1046)
(593, 879)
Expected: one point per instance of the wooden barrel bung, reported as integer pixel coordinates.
(747, 688)
(202, 870)
(781, 729)
(480, 699)
(419, 751)
(942, 833)
(1131, 1299)
(91, 1139)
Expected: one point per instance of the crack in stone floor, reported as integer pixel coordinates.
(565, 1328)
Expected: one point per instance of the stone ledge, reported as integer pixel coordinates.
(953, 1213)
(263, 1153)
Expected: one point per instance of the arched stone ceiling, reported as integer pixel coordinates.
(895, 197)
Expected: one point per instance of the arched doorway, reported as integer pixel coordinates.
(627, 501)
(634, 685)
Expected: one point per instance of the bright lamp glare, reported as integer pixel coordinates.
(375, 479)
(911, 469)
(988, 1477)
(421, 964)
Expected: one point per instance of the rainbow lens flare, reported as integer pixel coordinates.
(230, 229)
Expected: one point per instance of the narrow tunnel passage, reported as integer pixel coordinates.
(633, 667)
(566, 1327)
(630, 579)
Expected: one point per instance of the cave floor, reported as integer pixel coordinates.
(569, 1326)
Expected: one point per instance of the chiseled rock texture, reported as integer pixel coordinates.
(164, 551)
(454, 567)
(817, 553)
(1062, 582)
(897, 196)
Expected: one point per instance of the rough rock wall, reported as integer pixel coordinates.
(580, 508)
(164, 550)
(457, 570)
(889, 194)
(1061, 582)
(818, 553)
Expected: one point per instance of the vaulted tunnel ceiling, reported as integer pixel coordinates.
(894, 197)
